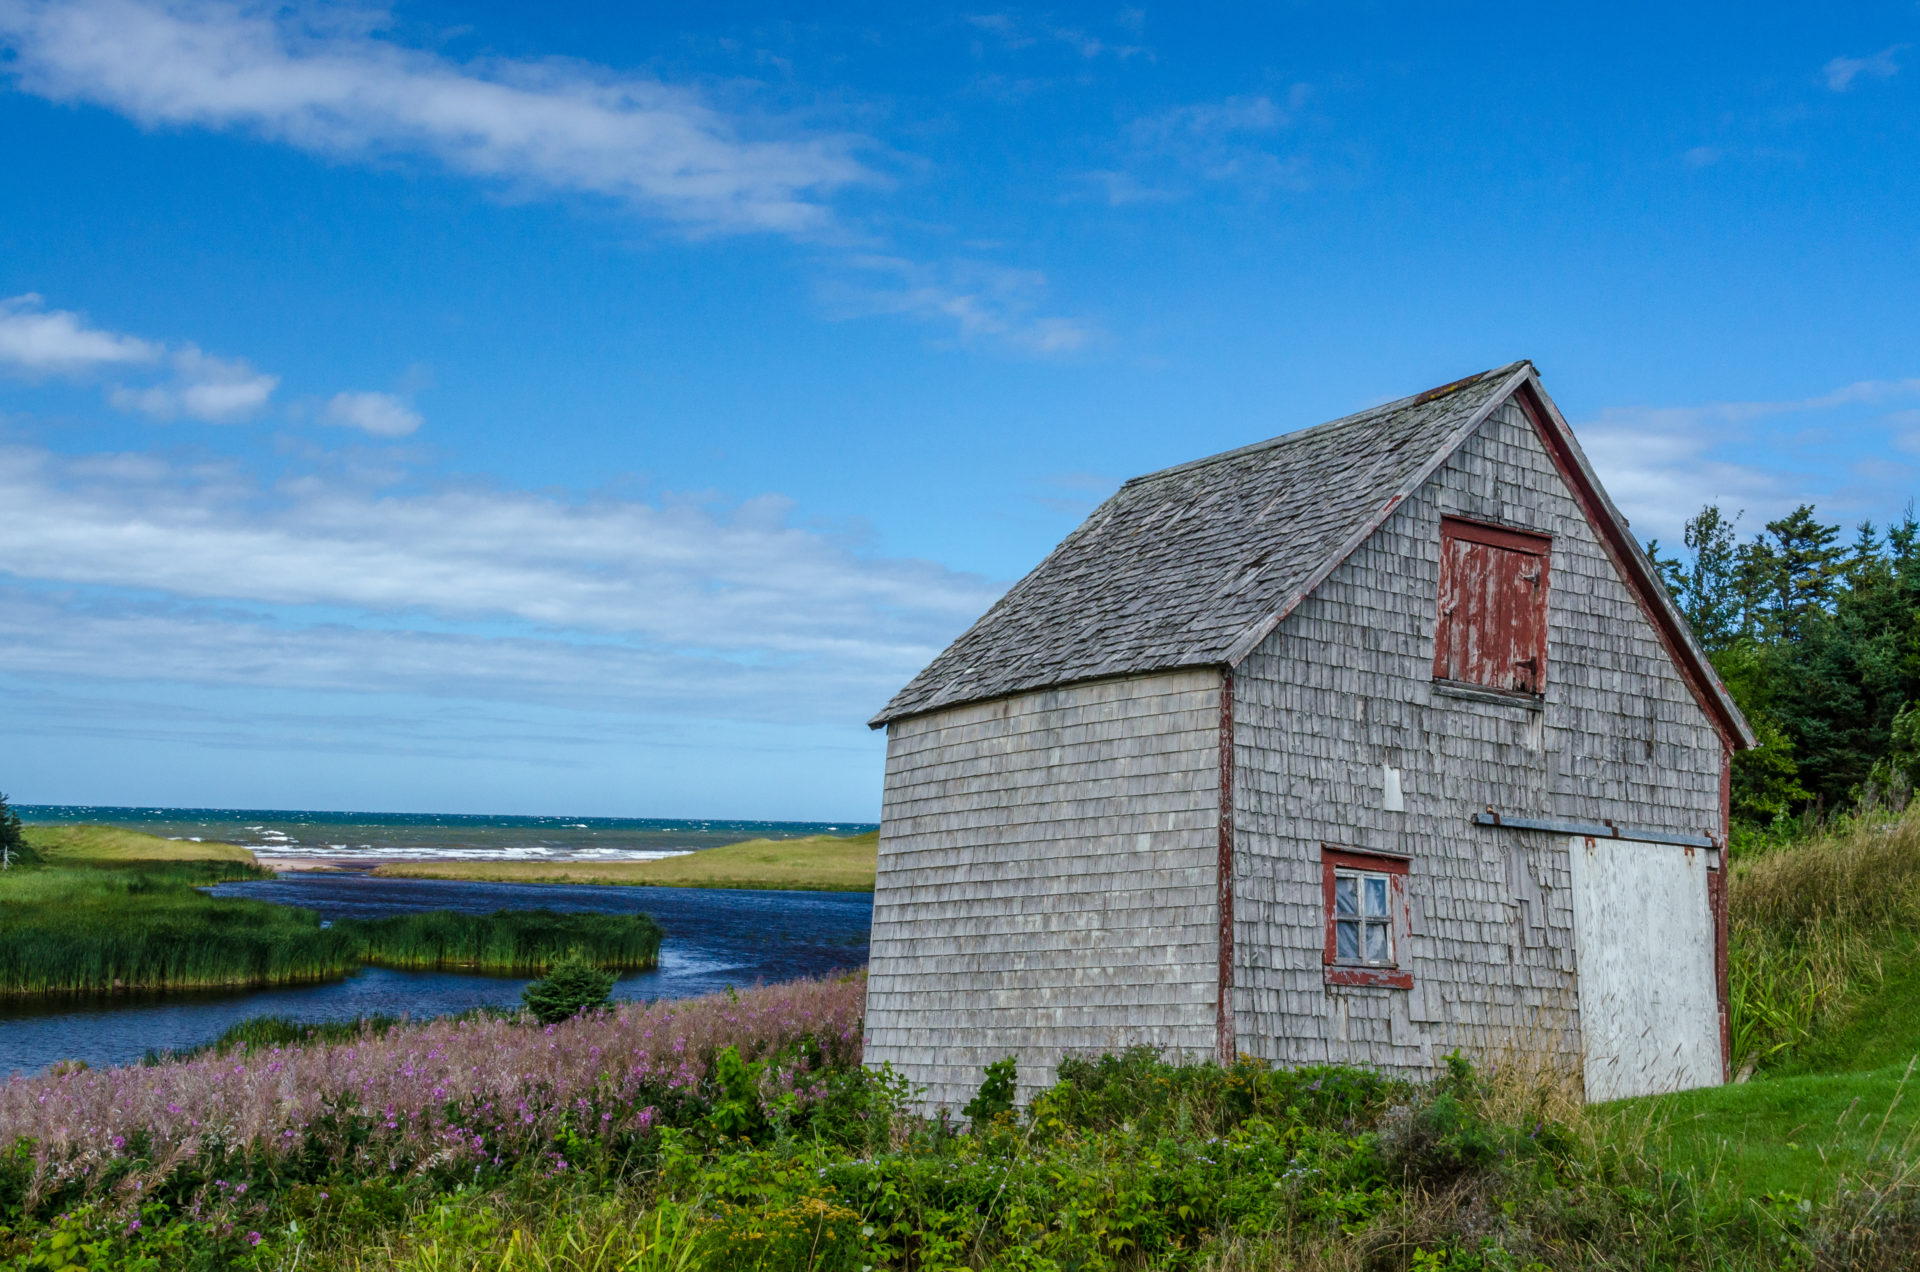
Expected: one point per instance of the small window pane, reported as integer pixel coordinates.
(1377, 951)
(1348, 933)
(1346, 894)
(1376, 894)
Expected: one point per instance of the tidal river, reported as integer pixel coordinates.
(714, 939)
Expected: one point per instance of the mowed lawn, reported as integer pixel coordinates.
(820, 863)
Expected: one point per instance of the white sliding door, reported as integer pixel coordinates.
(1649, 1013)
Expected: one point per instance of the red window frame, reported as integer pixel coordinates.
(1398, 974)
(1490, 629)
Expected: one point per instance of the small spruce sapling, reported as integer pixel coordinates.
(997, 1092)
(13, 840)
(571, 986)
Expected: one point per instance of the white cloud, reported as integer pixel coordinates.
(36, 340)
(1841, 72)
(77, 638)
(984, 303)
(637, 593)
(328, 81)
(380, 414)
(1661, 464)
(129, 569)
(217, 390)
(326, 87)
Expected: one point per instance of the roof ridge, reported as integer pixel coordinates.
(1084, 611)
(1302, 434)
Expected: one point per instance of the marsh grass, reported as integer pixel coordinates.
(505, 943)
(1816, 929)
(122, 925)
(129, 926)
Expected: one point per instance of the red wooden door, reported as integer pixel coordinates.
(1492, 628)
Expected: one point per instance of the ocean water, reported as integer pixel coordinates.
(429, 836)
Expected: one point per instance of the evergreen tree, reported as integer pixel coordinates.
(13, 840)
(572, 985)
(1795, 575)
(1819, 642)
(1704, 588)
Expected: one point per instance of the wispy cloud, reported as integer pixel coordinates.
(202, 573)
(1232, 141)
(552, 125)
(984, 303)
(1687, 418)
(379, 414)
(1015, 31)
(1662, 463)
(35, 341)
(1841, 73)
(333, 82)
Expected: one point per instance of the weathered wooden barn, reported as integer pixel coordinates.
(1363, 744)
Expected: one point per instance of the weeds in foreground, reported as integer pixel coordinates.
(742, 1133)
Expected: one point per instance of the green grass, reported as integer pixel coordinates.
(146, 926)
(505, 943)
(57, 844)
(1826, 980)
(1807, 1135)
(822, 863)
(110, 911)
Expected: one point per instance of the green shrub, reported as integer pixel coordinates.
(997, 1092)
(574, 985)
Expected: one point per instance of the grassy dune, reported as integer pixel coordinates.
(820, 863)
(62, 844)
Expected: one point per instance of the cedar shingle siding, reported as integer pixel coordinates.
(1053, 812)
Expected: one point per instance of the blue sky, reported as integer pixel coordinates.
(603, 409)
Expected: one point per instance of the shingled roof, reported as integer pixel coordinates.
(1194, 565)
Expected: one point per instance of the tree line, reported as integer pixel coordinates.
(1818, 639)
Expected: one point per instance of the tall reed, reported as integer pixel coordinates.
(506, 942)
(1811, 925)
(109, 927)
(100, 930)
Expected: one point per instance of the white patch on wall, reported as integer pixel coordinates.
(1649, 1011)
(1394, 801)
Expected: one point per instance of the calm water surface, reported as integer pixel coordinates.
(714, 939)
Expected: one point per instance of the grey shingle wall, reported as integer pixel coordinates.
(1344, 687)
(1047, 881)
